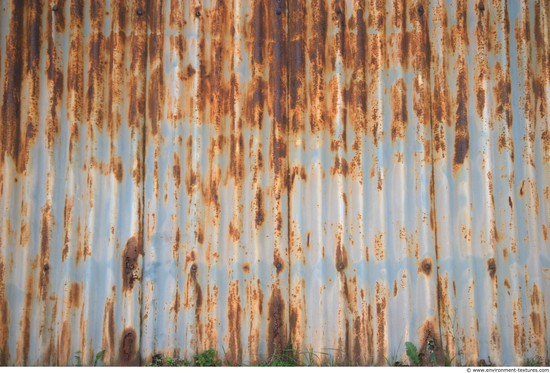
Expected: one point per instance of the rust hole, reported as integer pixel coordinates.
(46, 267)
(197, 13)
(420, 10)
(278, 12)
(194, 268)
(55, 8)
(426, 266)
(139, 12)
(338, 11)
(481, 6)
(278, 265)
(491, 267)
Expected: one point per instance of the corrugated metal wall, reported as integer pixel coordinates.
(344, 176)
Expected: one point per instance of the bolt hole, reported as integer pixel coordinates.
(197, 13)
(139, 12)
(421, 10)
(481, 6)
(46, 267)
(194, 268)
(55, 8)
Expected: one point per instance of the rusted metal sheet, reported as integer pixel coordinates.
(491, 88)
(362, 229)
(341, 175)
(72, 109)
(216, 259)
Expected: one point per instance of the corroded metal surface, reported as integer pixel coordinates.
(341, 175)
(72, 112)
(216, 258)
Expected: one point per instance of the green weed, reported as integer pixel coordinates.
(412, 353)
(208, 358)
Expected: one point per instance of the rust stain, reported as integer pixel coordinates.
(381, 304)
(234, 353)
(462, 136)
(399, 110)
(341, 255)
(67, 219)
(425, 267)
(379, 250)
(276, 332)
(44, 278)
(128, 347)
(108, 339)
(130, 266)
(491, 267)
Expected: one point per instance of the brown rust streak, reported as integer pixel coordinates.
(462, 136)
(44, 278)
(130, 266)
(381, 305)
(156, 85)
(108, 343)
(234, 354)
(399, 110)
(276, 333)
(67, 220)
(95, 94)
(23, 46)
(316, 54)
(128, 352)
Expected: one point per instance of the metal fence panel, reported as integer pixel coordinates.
(72, 106)
(492, 167)
(216, 259)
(344, 176)
(361, 213)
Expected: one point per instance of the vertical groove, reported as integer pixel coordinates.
(142, 171)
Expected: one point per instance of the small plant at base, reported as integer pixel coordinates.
(449, 360)
(412, 353)
(99, 357)
(536, 361)
(207, 358)
(159, 361)
(285, 358)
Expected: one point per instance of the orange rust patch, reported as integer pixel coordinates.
(379, 246)
(341, 255)
(426, 266)
(399, 110)
(176, 173)
(234, 232)
(108, 338)
(259, 218)
(177, 240)
(117, 168)
(340, 167)
(127, 353)
(130, 267)
(276, 332)
(74, 294)
(234, 354)
(381, 321)
(462, 136)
